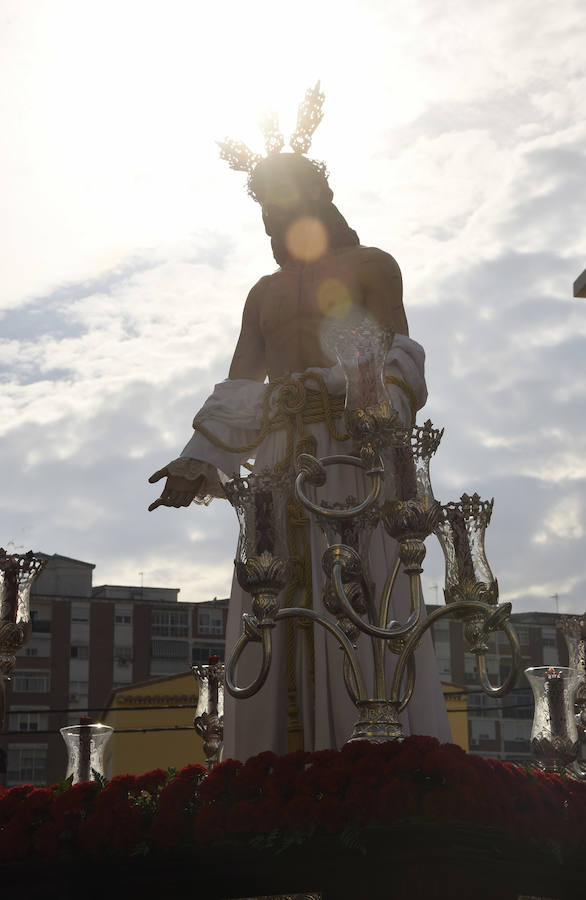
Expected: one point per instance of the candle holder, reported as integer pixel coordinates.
(572, 628)
(554, 736)
(461, 532)
(17, 574)
(361, 347)
(209, 714)
(85, 744)
(393, 462)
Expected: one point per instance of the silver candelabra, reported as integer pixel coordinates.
(394, 461)
(17, 573)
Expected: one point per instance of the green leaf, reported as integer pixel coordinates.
(63, 786)
(100, 779)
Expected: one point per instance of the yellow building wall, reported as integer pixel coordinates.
(138, 752)
(456, 706)
(132, 751)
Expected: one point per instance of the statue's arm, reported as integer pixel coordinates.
(249, 360)
(382, 291)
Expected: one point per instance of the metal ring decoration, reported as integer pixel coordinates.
(366, 627)
(340, 513)
(509, 681)
(244, 639)
(415, 637)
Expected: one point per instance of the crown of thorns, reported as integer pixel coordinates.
(309, 114)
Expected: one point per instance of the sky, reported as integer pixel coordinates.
(456, 140)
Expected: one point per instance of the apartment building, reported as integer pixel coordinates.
(85, 642)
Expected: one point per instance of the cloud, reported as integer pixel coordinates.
(456, 141)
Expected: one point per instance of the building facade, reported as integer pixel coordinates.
(87, 641)
(153, 726)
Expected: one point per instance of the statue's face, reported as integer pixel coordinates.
(283, 202)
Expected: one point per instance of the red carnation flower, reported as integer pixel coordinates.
(285, 784)
(292, 761)
(74, 801)
(361, 802)
(12, 799)
(176, 797)
(356, 750)
(93, 833)
(330, 814)
(248, 784)
(299, 814)
(419, 744)
(396, 800)
(239, 818)
(266, 814)
(323, 758)
(331, 780)
(209, 823)
(191, 772)
(151, 781)
(262, 762)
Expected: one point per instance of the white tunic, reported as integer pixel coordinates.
(234, 414)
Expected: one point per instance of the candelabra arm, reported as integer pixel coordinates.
(457, 606)
(366, 627)
(349, 681)
(509, 681)
(380, 679)
(253, 633)
(293, 612)
(410, 685)
(577, 770)
(385, 601)
(312, 471)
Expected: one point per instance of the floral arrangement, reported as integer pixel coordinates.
(276, 801)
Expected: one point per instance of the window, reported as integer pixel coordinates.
(27, 721)
(441, 632)
(80, 613)
(38, 645)
(123, 619)
(482, 730)
(492, 664)
(122, 654)
(519, 706)
(210, 621)
(444, 663)
(201, 655)
(78, 693)
(170, 649)
(79, 651)
(516, 731)
(27, 764)
(42, 626)
(31, 682)
(169, 624)
(474, 705)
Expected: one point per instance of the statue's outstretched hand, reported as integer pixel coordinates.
(178, 491)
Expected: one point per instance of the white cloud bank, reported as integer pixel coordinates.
(455, 139)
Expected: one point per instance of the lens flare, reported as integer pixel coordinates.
(306, 239)
(333, 298)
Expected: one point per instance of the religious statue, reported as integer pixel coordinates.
(325, 275)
